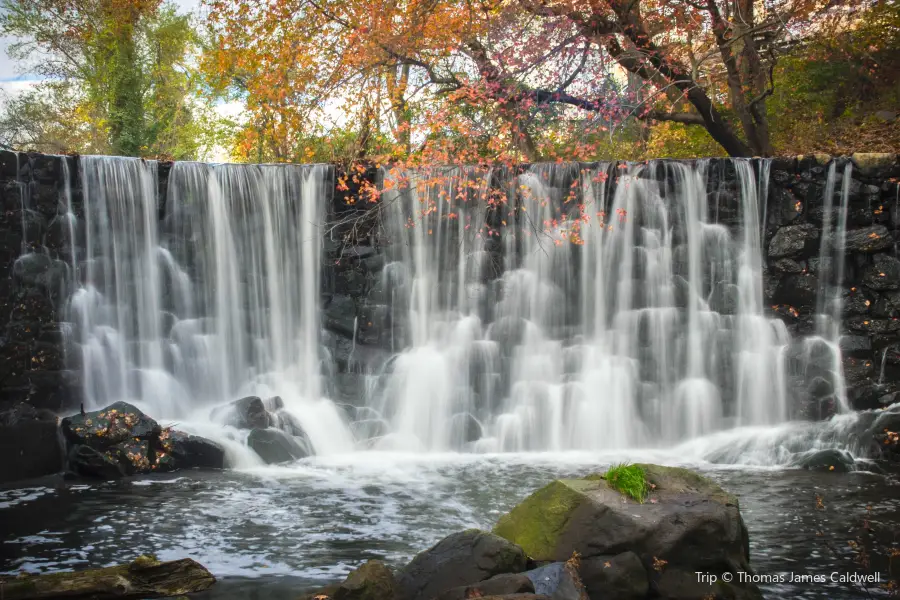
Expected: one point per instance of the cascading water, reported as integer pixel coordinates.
(217, 300)
(564, 307)
(638, 322)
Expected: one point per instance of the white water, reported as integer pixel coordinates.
(583, 347)
(217, 301)
(648, 331)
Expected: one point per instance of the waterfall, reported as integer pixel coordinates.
(218, 299)
(558, 307)
(638, 321)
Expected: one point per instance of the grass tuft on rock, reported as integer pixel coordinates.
(630, 480)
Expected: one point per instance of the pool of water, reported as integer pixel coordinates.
(274, 532)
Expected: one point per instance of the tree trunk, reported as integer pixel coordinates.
(143, 578)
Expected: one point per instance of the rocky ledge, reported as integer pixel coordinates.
(581, 539)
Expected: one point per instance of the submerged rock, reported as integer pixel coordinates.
(275, 446)
(461, 559)
(824, 460)
(688, 524)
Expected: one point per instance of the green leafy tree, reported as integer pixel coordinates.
(117, 79)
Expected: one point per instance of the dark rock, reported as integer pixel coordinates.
(340, 315)
(884, 435)
(275, 446)
(109, 426)
(856, 345)
(856, 301)
(824, 460)
(560, 581)
(884, 274)
(371, 581)
(876, 238)
(784, 206)
(820, 387)
(795, 241)
(246, 413)
(622, 577)
(788, 265)
(873, 326)
(799, 291)
(185, 451)
(499, 585)
(30, 444)
(91, 462)
(689, 521)
(461, 559)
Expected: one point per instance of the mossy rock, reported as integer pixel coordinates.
(688, 521)
(873, 164)
(145, 577)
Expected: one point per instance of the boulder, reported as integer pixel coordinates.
(824, 460)
(89, 462)
(884, 435)
(145, 577)
(275, 446)
(246, 413)
(499, 585)
(795, 241)
(622, 577)
(461, 559)
(107, 427)
(30, 444)
(181, 450)
(688, 524)
(371, 581)
(120, 440)
(560, 581)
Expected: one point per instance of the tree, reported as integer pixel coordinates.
(116, 78)
(536, 72)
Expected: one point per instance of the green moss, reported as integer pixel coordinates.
(630, 480)
(537, 522)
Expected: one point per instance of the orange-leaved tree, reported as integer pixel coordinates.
(533, 79)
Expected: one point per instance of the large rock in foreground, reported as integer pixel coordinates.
(688, 524)
(146, 577)
(461, 559)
